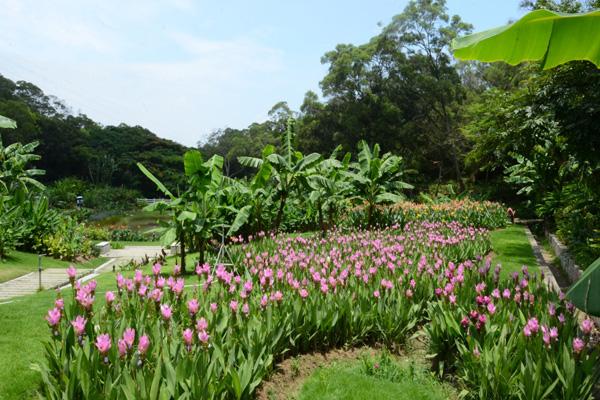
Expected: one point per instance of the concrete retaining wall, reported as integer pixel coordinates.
(566, 261)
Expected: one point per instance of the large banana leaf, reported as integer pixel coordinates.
(585, 293)
(7, 123)
(541, 35)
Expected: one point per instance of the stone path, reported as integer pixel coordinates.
(30, 283)
(56, 277)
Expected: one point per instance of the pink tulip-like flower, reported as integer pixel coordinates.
(506, 293)
(193, 306)
(246, 308)
(578, 345)
(303, 293)
(452, 299)
(464, 321)
(103, 343)
(533, 325)
(188, 336)
(214, 307)
(143, 345)
(71, 273)
(122, 346)
(53, 317)
(491, 308)
(476, 352)
(376, 294)
(277, 296)
(233, 305)
(156, 269)
(160, 282)
(201, 325)
(176, 269)
(203, 337)
(526, 331)
(554, 333)
(110, 297)
(587, 325)
(138, 277)
(59, 303)
(409, 293)
(79, 325)
(129, 337)
(166, 312)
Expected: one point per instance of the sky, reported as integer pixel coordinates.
(184, 68)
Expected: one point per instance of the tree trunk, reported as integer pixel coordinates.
(321, 221)
(201, 251)
(280, 213)
(182, 247)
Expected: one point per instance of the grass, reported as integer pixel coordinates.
(20, 263)
(512, 250)
(351, 382)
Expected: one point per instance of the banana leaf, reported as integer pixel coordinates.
(541, 35)
(585, 293)
(7, 123)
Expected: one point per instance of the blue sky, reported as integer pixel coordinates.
(183, 68)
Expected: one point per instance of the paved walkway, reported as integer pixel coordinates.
(30, 283)
(57, 277)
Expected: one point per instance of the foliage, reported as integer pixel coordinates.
(68, 241)
(280, 299)
(376, 179)
(468, 212)
(541, 35)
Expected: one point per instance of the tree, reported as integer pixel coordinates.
(376, 179)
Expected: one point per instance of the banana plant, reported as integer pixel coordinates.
(329, 187)
(198, 213)
(376, 179)
(288, 170)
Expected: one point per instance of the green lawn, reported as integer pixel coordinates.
(350, 382)
(19, 263)
(512, 250)
(136, 220)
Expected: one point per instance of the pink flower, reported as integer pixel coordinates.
(166, 311)
(491, 308)
(264, 301)
(464, 321)
(554, 333)
(122, 346)
(203, 337)
(143, 344)
(506, 293)
(452, 299)
(138, 277)
(79, 325)
(233, 305)
(578, 345)
(129, 337)
(59, 303)
(587, 326)
(156, 269)
(193, 306)
(246, 308)
(533, 325)
(476, 352)
(214, 307)
(176, 269)
(53, 317)
(71, 273)
(110, 297)
(103, 343)
(188, 336)
(526, 331)
(376, 294)
(201, 325)
(303, 293)
(409, 293)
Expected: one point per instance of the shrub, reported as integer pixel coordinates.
(468, 212)
(68, 241)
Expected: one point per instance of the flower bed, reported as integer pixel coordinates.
(287, 295)
(484, 214)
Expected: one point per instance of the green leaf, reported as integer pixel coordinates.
(541, 35)
(154, 179)
(7, 123)
(192, 162)
(240, 219)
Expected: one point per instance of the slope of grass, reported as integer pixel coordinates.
(512, 250)
(350, 382)
(20, 263)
